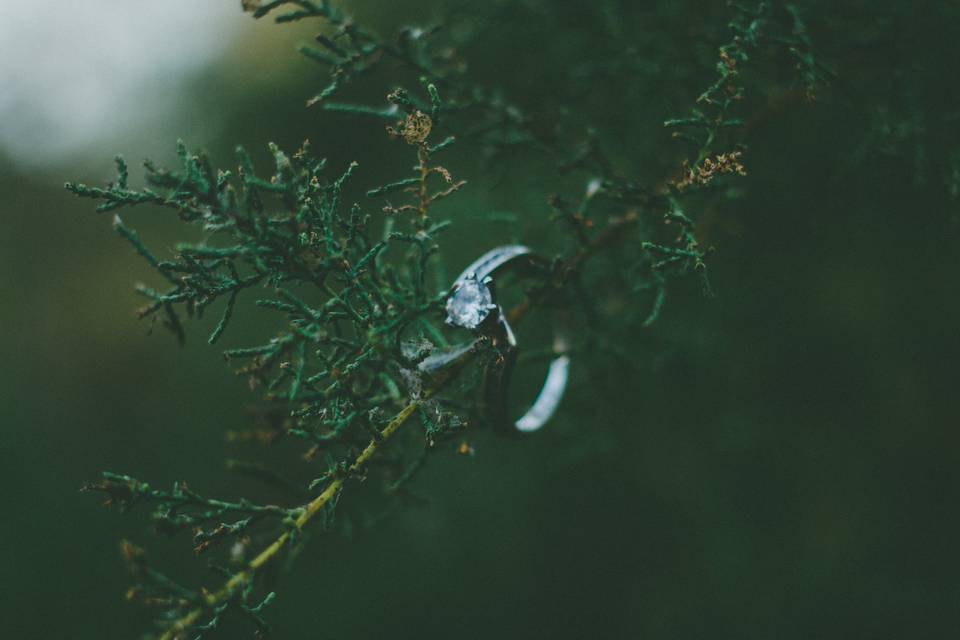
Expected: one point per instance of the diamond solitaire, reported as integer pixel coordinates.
(470, 303)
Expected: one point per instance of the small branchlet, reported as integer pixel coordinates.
(714, 122)
(415, 130)
(767, 27)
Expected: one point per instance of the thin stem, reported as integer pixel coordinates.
(243, 578)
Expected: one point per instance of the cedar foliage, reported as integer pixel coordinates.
(358, 288)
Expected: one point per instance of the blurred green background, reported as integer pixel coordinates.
(779, 463)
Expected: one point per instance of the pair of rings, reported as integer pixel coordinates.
(471, 304)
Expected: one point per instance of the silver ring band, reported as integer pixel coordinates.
(471, 304)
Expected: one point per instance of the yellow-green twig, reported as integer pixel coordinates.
(244, 577)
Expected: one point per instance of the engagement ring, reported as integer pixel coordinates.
(472, 305)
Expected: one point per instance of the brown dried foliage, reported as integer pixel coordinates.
(710, 168)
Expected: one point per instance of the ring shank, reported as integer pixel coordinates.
(500, 372)
(498, 377)
(548, 399)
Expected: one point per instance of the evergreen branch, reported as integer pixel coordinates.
(243, 579)
(359, 313)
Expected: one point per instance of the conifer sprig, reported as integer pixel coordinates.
(356, 294)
